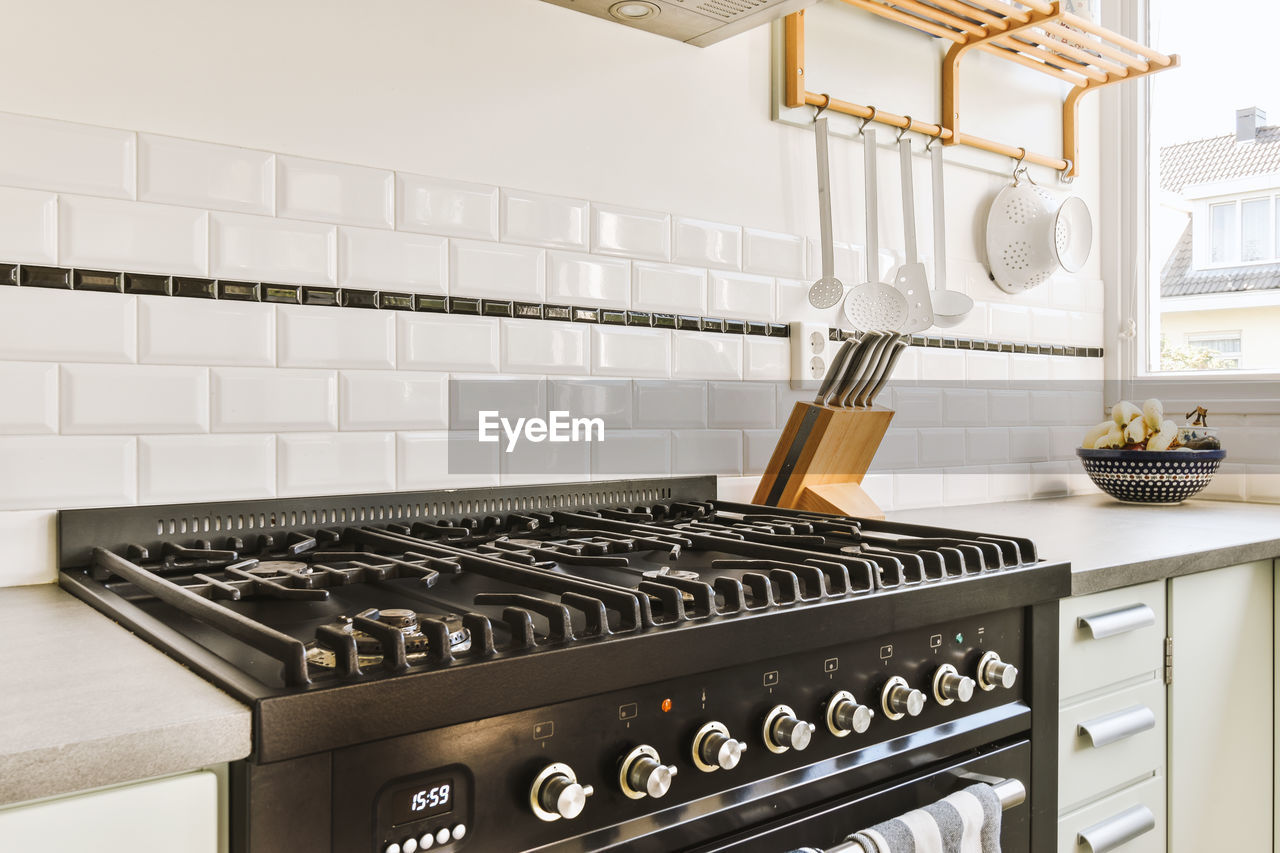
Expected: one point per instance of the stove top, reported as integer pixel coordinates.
(299, 598)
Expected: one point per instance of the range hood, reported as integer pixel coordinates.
(696, 22)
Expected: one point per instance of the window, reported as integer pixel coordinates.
(1225, 347)
(1208, 277)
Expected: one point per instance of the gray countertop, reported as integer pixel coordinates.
(1110, 544)
(84, 703)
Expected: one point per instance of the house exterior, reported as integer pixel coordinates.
(1217, 224)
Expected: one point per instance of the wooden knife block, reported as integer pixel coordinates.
(821, 458)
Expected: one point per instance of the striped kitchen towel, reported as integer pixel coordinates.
(968, 821)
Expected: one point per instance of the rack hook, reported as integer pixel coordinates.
(903, 131)
(1065, 175)
(1017, 165)
(867, 120)
(825, 103)
(928, 146)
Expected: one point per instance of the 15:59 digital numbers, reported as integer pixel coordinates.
(431, 798)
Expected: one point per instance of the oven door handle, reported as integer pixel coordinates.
(1118, 829)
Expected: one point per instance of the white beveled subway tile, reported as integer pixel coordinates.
(758, 447)
(544, 220)
(941, 446)
(618, 351)
(29, 551)
(1009, 482)
(65, 471)
(1029, 444)
(335, 463)
(673, 404)
(919, 488)
(607, 399)
(985, 445)
(986, 367)
(393, 399)
(318, 336)
(739, 489)
(537, 346)
(1063, 441)
(706, 355)
(1228, 484)
(1050, 480)
(1075, 369)
(28, 226)
(180, 468)
(741, 405)
(630, 233)
(771, 253)
(62, 156)
(917, 406)
(39, 324)
(588, 280)
(1086, 329)
(536, 463)
(260, 399)
(443, 460)
(1051, 326)
(1052, 408)
(668, 288)
(974, 324)
(392, 260)
(334, 192)
(898, 449)
(278, 250)
(202, 174)
(1009, 322)
(199, 331)
(631, 453)
(132, 235)
(1009, 407)
(943, 366)
(496, 270)
(707, 244)
(132, 398)
(793, 304)
(447, 342)
(1025, 367)
(1262, 483)
(741, 296)
(766, 359)
(851, 266)
(879, 487)
(964, 407)
(451, 208)
(707, 451)
(30, 393)
(964, 486)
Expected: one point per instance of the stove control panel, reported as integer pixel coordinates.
(606, 763)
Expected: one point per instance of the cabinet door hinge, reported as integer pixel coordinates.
(1168, 660)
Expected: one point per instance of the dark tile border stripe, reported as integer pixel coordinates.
(27, 275)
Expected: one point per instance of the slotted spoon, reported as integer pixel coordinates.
(827, 290)
(873, 304)
(912, 281)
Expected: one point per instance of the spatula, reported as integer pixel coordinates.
(912, 281)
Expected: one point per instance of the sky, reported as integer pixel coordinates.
(1224, 68)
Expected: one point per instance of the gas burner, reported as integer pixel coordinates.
(370, 649)
(668, 572)
(266, 568)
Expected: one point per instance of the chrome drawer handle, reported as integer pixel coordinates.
(1118, 829)
(1119, 621)
(1118, 725)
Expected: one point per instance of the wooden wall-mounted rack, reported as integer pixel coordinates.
(1041, 36)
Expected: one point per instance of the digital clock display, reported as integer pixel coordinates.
(426, 799)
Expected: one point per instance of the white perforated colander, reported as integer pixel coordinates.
(1030, 235)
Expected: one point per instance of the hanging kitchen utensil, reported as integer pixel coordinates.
(873, 304)
(1031, 234)
(950, 307)
(827, 290)
(836, 369)
(911, 280)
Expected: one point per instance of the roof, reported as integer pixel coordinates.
(1179, 278)
(1219, 158)
(1200, 161)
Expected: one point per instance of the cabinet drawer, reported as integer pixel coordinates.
(1110, 637)
(1109, 822)
(1111, 740)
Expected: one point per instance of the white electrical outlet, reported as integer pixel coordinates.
(809, 359)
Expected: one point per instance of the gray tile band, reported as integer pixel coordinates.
(103, 281)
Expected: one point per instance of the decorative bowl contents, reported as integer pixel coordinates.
(1138, 456)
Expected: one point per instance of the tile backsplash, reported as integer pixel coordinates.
(114, 398)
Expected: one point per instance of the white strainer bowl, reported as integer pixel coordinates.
(1030, 234)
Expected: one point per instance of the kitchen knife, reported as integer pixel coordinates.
(869, 398)
(837, 367)
(856, 366)
(868, 371)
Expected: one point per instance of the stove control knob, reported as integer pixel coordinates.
(557, 794)
(845, 715)
(783, 730)
(900, 699)
(714, 749)
(993, 672)
(950, 686)
(643, 774)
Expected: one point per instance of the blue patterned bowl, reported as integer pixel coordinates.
(1149, 476)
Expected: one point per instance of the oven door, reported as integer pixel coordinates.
(828, 823)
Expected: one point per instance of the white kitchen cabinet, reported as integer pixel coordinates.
(179, 813)
(1221, 710)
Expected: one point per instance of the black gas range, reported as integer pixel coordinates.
(612, 665)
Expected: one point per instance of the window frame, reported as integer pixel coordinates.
(1202, 230)
(1200, 338)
